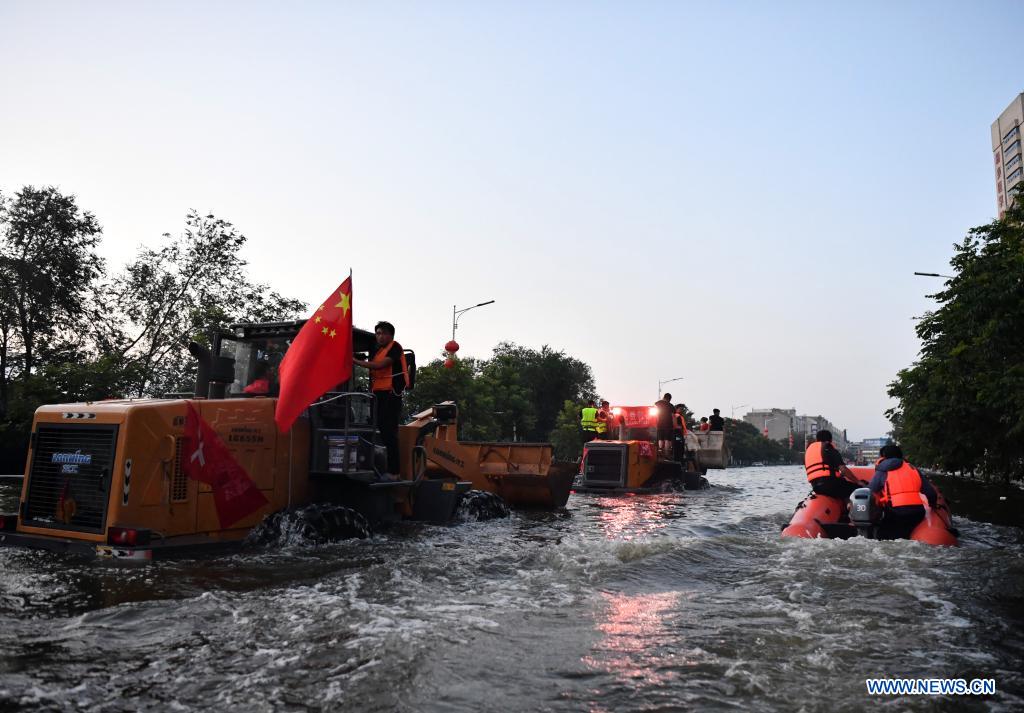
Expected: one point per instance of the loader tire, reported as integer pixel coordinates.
(480, 505)
(314, 523)
(327, 523)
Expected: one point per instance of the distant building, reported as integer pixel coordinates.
(1007, 154)
(779, 424)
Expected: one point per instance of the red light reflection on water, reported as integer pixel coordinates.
(638, 645)
(627, 518)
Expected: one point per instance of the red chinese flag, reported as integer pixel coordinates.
(207, 459)
(319, 358)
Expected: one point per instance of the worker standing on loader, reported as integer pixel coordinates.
(588, 420)
(665, 425)
(604, 421)
(389, 377)
(679, 433)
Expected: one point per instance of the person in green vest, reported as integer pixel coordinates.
(588, 420)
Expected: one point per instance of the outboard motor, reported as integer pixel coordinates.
(864, 511)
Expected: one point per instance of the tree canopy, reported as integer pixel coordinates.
(961, 404)
(71, 332)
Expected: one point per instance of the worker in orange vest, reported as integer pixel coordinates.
(389, 377)
(826, 471)
(898, 487)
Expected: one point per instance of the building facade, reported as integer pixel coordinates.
(1007, 154)
(779, 424)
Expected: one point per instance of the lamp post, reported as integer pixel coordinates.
(457, 313)
(662, 382)
(736, 407)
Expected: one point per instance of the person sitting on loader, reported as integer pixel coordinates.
(826, 470)
(716, 421)
(260, 384)
(704, 425)
(898, 487)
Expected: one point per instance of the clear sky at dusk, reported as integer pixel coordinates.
(735, 193)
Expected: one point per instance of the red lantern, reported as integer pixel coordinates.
(449, 363)
(452, 346)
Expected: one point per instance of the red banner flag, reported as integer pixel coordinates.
(207, 459)
(646, 449)
(319, 358)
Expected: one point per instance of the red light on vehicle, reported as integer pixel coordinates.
(652, 411)
(127, 536)
(617, 411)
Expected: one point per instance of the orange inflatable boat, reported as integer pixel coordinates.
(819, 516)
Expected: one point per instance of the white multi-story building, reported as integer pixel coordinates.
(779, 424)
(1007, 153)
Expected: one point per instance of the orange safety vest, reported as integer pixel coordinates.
(680, 422)
(902, 487)
(814, 462)
(383, 379)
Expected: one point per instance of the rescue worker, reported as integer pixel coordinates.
(679, 433)
(704, 425)
(389, 377)
(665, 425)
(588, 420)
(716, 421)
(260, 384)
(604, 420)
(898, 487)
(826, 470)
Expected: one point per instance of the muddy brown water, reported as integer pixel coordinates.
(685, 601)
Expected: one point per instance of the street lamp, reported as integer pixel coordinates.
(662, 382)
(736, 407)
(457, 313)
(933, 274)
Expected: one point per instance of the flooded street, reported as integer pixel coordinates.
(667, 602)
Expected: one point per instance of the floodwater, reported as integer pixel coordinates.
(649, 603)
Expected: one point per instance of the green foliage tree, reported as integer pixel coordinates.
(748, 445)
(961, 404)
(462, 384)
(543, 378)
(180, 292)
(48, 264)
(567, 436)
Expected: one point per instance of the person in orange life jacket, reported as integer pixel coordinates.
(605, 422)
(717, 422)
(826, 470)
(389, 376)
(898, 487)
(666, 426)
(704, 425)
(679, 433)
(260, 384)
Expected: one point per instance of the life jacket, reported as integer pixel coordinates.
(902, 487)
(680, 423)
(602, 421)
(588, 419)
(705, 426)
(814, 462)
(383, 379)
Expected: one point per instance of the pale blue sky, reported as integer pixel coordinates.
(736, 193)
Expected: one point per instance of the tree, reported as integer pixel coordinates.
(180, 292)
(545, 379)
(748, 445)
(961, 404)
(462, 384)
(48, 265)
(567, 436)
